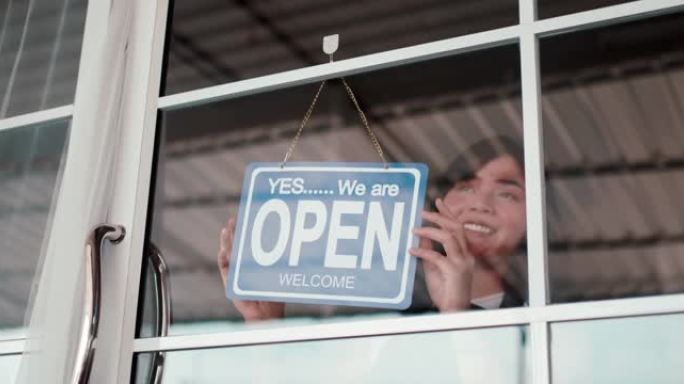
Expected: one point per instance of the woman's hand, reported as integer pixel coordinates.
(448, 277)
(250, 310)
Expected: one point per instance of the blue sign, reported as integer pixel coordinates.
(328, 233)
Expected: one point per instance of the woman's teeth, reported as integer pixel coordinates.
(478, 228)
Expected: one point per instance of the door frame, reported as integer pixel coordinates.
(538, 315)
(135, 31)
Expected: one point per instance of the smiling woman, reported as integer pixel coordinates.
(477, 225)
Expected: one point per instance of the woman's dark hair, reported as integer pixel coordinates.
(465, 164)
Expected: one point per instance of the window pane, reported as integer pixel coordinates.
(551, 8)
(40, 48)
(444, 357)
(632, 350)
(433, 112)
(614, 152)
(214, 41)
(9, 368)
(30, 160)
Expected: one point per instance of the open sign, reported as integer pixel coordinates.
(328, 233)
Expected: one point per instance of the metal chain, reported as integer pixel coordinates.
(362, 116)
(301, 126)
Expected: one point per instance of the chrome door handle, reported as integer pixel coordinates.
(91, 313)
(163, 305)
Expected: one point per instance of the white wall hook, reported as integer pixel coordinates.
(330, 45)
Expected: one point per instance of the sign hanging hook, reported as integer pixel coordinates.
(330, 45)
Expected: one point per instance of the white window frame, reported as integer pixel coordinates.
(136, 178)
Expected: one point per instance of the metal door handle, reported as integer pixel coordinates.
(163, 305)
(91, 313)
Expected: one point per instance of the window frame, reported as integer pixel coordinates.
(539, 315)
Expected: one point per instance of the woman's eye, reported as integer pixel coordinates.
(465, 189)
(509, 196)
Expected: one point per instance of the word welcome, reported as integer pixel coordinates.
(317, 280)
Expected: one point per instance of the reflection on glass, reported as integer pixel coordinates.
(29, 167)
(633, 350)
(215, 41)
(40, 46)
(496, 355)
(459, 115)
(614, 153)
(9, 368)
(551, 8)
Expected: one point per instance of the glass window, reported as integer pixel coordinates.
(460, 115)
(213, 41)
(614, 149)
(40, 48)
(443, 357)
(551, 8)
(632, 350)
(30, 162)
(9, 368)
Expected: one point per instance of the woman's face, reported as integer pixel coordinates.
(491, 207)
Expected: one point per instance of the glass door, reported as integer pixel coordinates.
(435, 81)
(532, 119)
(68, 127)
(40, 49)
